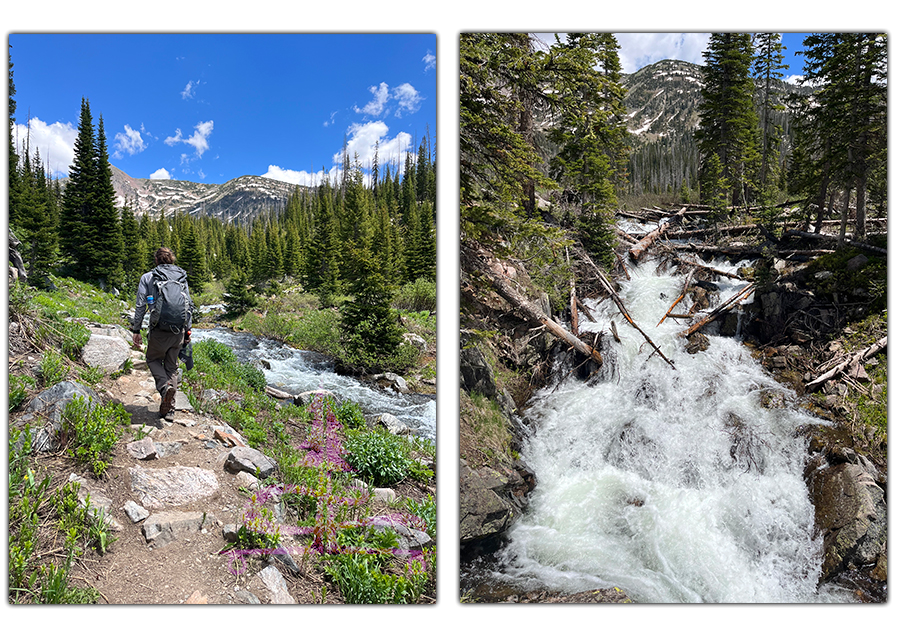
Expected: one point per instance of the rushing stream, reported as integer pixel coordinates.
(673, 485)
(296, 371)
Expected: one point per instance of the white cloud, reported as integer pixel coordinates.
(162, 173)
(360, 147)
(364, 136)
(794, 79)
(637, 50)
(330, 120)
(430, 61)
(129, 142)
(188, 91)
(297, 177)
(376, 105)
(54, 141)
(406, 96)
(199, 140)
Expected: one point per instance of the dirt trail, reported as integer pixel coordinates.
(189, 569)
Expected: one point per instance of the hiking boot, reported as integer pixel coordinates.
(170, 415)
(167, 406)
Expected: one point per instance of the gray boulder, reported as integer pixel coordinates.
(851, 513)
(172, 486)
(247, 459)
(47, 408)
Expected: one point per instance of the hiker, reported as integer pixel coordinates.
(164, 291)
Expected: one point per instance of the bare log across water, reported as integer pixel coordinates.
(719, 310)
(638, 249)
(604, 282)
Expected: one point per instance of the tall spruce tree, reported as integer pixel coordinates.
(590, 132)
(728, 122)
(76, 214)
(767, 68)
(104, 232)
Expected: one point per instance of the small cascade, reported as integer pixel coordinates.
(675, 485)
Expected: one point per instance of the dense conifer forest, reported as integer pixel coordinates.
(352, 242)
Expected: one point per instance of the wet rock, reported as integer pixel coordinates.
(697, 342)
(851, 512)
(392, 424)
(393, 381)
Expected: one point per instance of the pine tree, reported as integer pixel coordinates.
(767, 68)
(369, 328)
(39, 221)
(590, 132)
(192, 258)
(133, 250)
(105, 234)
(76, 216)
(728, 123)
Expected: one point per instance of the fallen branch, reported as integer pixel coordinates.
(719, 310)
(604, 282)
(860, 356)
(835, 240)
(638, 249)
(687, 285)
(506, 290)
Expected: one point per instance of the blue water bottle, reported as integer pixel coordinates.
(149, 300)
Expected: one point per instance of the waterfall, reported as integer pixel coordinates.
(675, 485)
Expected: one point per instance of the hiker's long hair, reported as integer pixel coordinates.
(164, 256)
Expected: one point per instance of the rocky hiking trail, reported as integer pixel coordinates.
(169, 497)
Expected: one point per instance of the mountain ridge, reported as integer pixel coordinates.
(237, 200)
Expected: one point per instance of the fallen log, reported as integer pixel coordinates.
(604, 282)
(687, 285)
(638, 249)
(704, 232)
(854, 359)
(719, 310)
(716, 271)
(835, 240)
(506, 290)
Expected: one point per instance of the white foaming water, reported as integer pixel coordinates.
(674, 485)
(296, 371)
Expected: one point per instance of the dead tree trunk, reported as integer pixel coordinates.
(856, 358)
(506, 290)
(719, 310)
(619, 304)
(638, 249)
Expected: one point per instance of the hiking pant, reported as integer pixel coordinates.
(162, 357)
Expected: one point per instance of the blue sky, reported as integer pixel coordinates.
(639, 49)
(212, 107)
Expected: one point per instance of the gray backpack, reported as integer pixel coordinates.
(171, 308)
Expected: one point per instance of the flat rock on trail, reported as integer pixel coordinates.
(187, 567)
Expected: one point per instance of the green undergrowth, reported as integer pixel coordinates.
(329, 460)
